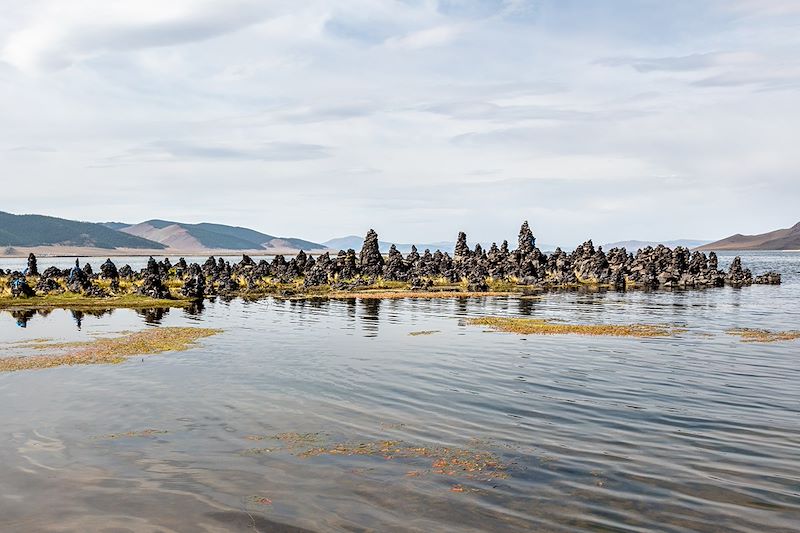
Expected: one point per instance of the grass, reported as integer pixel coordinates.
(109, 350)
(763, 335)
(424, 332)
(81, 302)
(532, 326)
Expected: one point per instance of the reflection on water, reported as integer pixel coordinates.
(696, 432)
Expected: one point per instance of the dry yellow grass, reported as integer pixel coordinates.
(109, 350)
(81, 302)
(764, 335)
(532, 326)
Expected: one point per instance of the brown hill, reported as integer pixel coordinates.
(782, 239)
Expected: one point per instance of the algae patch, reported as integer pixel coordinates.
(468, 463)
(763, 335)
(109, 350)
(532, 326)
(145, 433)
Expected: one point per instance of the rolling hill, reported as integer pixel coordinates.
(40, 230)
(206, 236)
(782, 239)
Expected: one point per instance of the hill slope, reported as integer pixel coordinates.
(782, 239)
(206, 236)
(39, 230)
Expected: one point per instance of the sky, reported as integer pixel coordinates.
(419, 118)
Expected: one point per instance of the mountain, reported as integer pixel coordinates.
(205, 236)
(115, 225)
(782, 239)
(632, 246)
(39, 230)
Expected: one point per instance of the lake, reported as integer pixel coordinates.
(396, 415)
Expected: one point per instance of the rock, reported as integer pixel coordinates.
(108, 270)
(52, 272)
(19, 287)
(461, 251)
(48, 285)
(78, 280)
(195, 285)
(526, 242)
(395, 269)
(370, 260)
(154, 287)
(33, 269)
(768, 278)
(738, 276)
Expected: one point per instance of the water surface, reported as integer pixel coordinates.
(697, 432)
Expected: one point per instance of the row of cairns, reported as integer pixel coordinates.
(527, 265)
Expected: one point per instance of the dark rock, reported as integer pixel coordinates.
(33, 269)
(154, 287)
(370, 261)
(109, 270)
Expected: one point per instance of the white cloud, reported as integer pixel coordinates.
(437, 36)
(418, 117)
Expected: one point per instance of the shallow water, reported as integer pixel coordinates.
(697, 432)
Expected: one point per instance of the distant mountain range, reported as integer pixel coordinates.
(782, 239)
(20, 234)
(39, 230)
(632, 246)
(205, 236)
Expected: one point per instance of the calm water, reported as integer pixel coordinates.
(698, 432)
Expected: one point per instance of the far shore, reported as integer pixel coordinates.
(85, 251)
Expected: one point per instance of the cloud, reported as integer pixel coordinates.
(165, 151)
(65, 34)
(682, 63)
(427, 38)
(390, 114)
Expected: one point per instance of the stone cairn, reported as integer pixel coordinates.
(587, 265)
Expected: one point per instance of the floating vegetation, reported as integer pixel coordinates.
(134, 434)
(763, 335)
(392, 295)
(425, 332)
(533, 326)
(446, 461)
(259, 500)
(293, 440)
(108, 350)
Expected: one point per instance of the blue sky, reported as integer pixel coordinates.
(611, 120)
